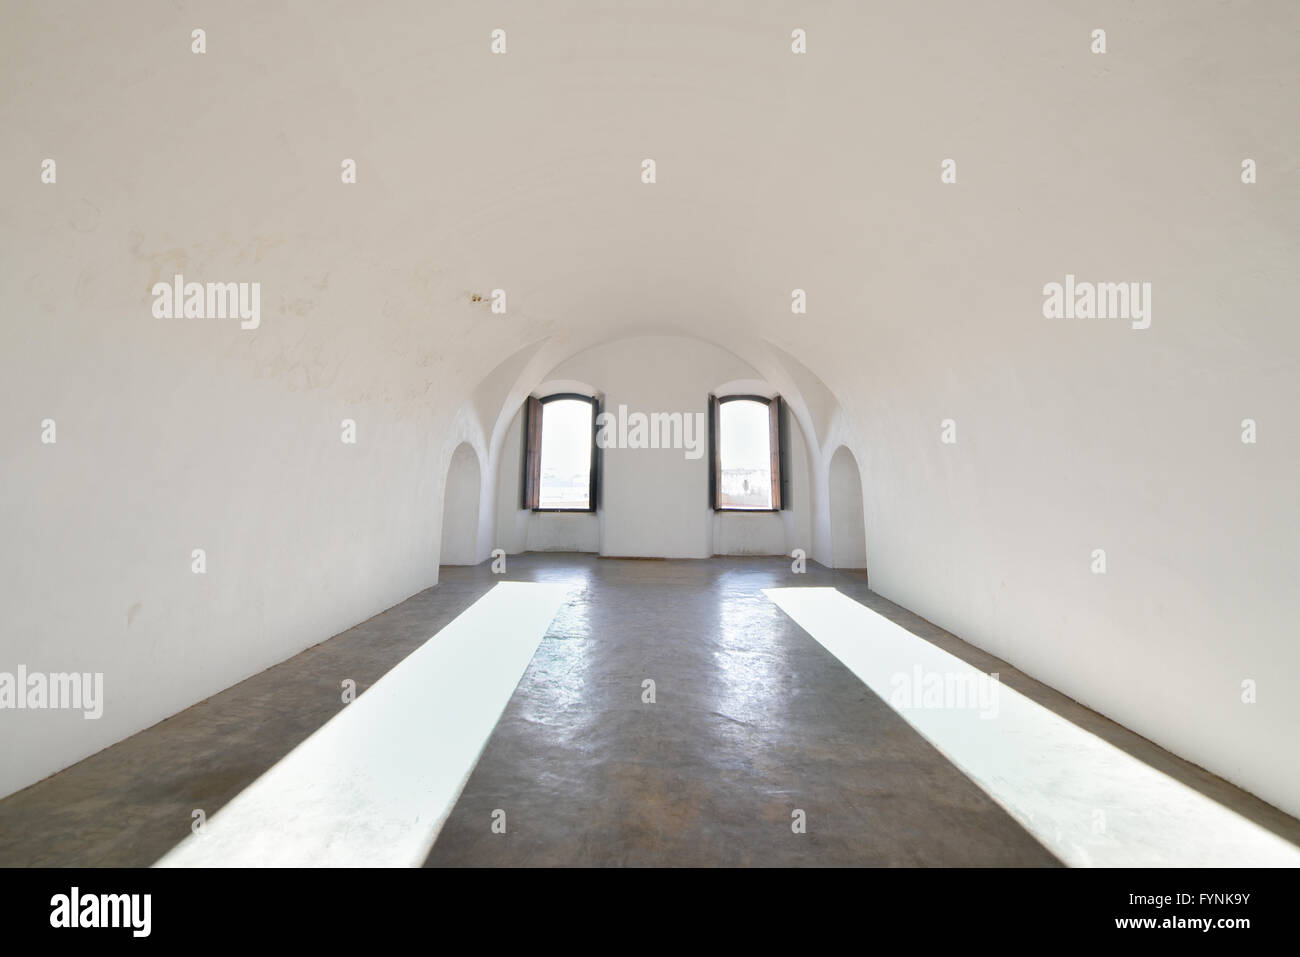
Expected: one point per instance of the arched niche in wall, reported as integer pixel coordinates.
(848, 525)
(460, 508)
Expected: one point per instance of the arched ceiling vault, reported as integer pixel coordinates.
(499, 394)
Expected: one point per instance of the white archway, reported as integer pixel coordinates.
(460, 508)
(848, 526)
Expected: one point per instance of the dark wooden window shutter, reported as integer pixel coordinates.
(787, 463)
(597, 453)
(532, 453)
(774, 431)
(715, 474)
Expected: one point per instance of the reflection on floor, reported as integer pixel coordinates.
(753, 721)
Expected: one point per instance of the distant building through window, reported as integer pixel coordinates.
(560, 457)
(567, 426)
(744, 455)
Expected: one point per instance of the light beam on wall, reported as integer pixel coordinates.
(373, 786)
(1087, 801)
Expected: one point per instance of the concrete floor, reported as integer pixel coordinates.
(753, 719)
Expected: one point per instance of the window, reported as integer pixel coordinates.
(746, 434)
(560, 458)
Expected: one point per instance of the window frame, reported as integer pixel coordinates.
(778, 453)
(534, 410)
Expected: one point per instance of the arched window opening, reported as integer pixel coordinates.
(747, 436)
(560, 458)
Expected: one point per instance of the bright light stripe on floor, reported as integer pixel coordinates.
(1050, 775)
(373, 786)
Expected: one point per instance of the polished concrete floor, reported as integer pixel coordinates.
(752, 720)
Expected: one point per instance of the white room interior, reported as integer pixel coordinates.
(775, 173)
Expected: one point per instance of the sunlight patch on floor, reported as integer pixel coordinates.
(373, 786)
(1085, 800)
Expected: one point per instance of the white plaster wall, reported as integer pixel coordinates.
(558, 532)
(511, 532)
(202, 453)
